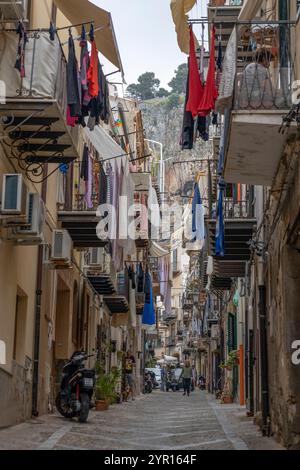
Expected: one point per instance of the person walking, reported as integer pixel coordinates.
(194, 378)
(129, 365)
(187, 374)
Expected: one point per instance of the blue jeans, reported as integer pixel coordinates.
(187, 386)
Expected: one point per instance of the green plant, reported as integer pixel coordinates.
(232, 360)
(106, 385)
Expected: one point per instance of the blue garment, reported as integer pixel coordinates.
(220, 229)
(198, 226)
(149, 311)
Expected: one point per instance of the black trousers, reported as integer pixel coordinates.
(187, 386)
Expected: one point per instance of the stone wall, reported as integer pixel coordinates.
(15, 393)
(283, 302)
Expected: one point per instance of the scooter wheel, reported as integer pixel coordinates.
(66, 412)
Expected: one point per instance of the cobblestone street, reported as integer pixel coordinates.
(160, 421)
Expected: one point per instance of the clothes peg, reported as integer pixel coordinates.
(92, 32)
(52, 31)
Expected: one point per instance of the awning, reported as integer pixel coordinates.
(157, 250)
(179, 9)
(104, 144)
(79, 11)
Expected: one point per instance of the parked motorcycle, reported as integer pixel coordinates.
(77, 387)
(148, 384)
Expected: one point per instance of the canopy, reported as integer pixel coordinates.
(179, 9)
(157, 250)
(104, 144)
(167, 359)
(79, 11)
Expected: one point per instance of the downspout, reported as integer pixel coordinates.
(37, 325)
(264, 361)
(262, 310)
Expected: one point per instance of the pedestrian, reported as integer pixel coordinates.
(163, 378)
(194, 378)
(202, 382)
(129, 368)
(187, 376)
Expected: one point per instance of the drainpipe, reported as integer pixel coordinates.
(264, 361)
(38, 302)
(262, 310)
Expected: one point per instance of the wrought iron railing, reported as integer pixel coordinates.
(238, 210)
(264, 65)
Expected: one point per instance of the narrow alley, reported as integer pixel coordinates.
(157, 421)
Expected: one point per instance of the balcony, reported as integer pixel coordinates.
(98, 269)
(119, 302)
(224, 14)
(170, 342)
(264, 75)
(13, 10)
(81, 221)
(33, 114)
(239, 225)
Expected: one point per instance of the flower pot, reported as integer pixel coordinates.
(227, 400)
(101, 405)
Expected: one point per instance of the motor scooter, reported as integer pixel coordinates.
(76, 389)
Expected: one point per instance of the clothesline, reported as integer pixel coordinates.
(45, 30)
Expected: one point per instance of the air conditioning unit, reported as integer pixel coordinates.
(96, 257)
(61, 255)
(32, 232)
(14, 199)
(13, 10)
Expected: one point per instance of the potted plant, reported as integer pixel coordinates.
(105, 390)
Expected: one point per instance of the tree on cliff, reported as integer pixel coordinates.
(178, 82)
(146, 88)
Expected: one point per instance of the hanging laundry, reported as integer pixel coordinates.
(103, 186)
(140, 279)
(71, 121)
(93, 74)
(131, 275)
(149, 310)
(73, 95)
(23, 39)
(202, 128)
(210, 93)
(84, 67)
(220, 229)
(195, 84)
(187, 136)
(198, 226)
(87, 175)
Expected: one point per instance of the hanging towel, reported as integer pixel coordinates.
(89, 184)
(187, 136)
(220, 229)
(140, 279)
(93, 75)
(195, 84)
(210, 94)
(149, 310)
(84, 173)
(73, 94)
(198, 226)
(23, 39)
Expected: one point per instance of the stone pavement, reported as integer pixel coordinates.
(159, 421)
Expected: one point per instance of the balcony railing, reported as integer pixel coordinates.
(265, 60)
(13, 10)
(226, 3)
(238, 210)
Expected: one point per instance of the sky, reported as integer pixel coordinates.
(146, 37)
